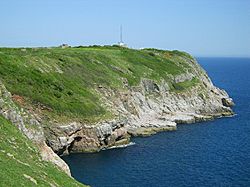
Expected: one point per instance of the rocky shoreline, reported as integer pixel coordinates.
(78, 137)
(143, 110)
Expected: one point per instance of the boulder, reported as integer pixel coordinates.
(228, 102)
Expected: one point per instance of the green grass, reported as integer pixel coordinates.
(20, 158)
(185, 85)
(64, 80)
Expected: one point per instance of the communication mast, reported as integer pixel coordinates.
(121, 43)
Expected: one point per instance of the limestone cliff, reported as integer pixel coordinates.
(61, 97)
(153, 106)
(144, 110)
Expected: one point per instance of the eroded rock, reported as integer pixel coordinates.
(228, 102)
(139, 110)
(29, 126)
(77, 137)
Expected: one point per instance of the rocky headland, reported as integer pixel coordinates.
(134, 93)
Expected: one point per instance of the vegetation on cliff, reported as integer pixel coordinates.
(64, 89)
(21, 164)
(63, 82)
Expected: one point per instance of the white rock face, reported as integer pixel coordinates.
(141, 110)
(104, 130)
(153, 104)
(184, 77)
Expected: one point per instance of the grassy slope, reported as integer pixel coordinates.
(64, 79)
(20, 158)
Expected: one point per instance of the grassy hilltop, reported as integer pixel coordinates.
(64, 81)
(62, 84)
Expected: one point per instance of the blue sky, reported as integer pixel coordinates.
(200, 27)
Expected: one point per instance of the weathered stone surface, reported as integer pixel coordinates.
(151, 106)
(184, 77)
(103, 130)
(29, 126)
(228, 102)
(140, 110)
(150, 85)
(49, 155)
(77, 137)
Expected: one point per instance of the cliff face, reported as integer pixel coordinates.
(79, 137)
(55, 93)
(29, 126)
(154, 105)
(143, 110)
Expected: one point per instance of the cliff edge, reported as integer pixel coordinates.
(86, 99)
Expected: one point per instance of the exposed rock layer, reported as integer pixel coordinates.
(29, 126)
(143, 110)
(150, 107)
(78, 137)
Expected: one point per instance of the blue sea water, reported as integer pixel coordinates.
(214, 153)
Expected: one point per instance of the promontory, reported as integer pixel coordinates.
(55, 101)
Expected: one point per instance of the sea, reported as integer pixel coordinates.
(213, 153)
